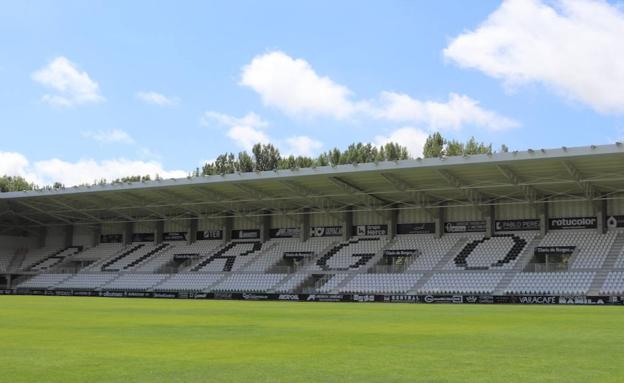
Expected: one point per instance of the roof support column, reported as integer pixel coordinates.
(228, 225)
(265, 226)
(439, 221)
(127, 233)
(192, 230)
(393, 219)
(68, 231)
(96, 232)
(601, 215)
(543, 217)
(159, 229)
(347, 224)
(489, 221)
(305, 225)
(42, 236)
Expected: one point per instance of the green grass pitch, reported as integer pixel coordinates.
(59, 339)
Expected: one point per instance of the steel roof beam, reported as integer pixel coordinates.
(309, 195)
(316, 201)
(262, 196)
(588, 189)
(473, 196)
(29, 206)
(87, 215)
(530, 193)
(371, 199)
(420, 198)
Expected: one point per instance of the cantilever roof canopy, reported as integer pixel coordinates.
(534, 176)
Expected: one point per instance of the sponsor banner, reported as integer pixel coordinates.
(583, 300)
(363, 298)
(289, 232)
(554, 250)
(138, 294)
(85, 293)
(165, 295)
(328, 298)
(442, 299)
(326, 231)
(143, 237)
(375, 230)
(185, 257)
(209, 234)
(617, 300)
(561, 300)
(289, 297)
(517, 225)
(112, 294)
(398, 298)
(298, 254)
(535, 300)
(246, 234)
(256, 297)
(615, 221)
(400, 253)
(201, 295)
(111, 238)
(6, 292)
(464, 227)
(416, 228)
(567, 223)
(223, 296)
(480, 299)
(174, 236)
(502, 299)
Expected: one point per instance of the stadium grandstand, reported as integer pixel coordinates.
(538, 226)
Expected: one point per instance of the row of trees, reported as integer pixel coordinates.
(12, 184)
(18, 183)
(438, 146)
(265, 157)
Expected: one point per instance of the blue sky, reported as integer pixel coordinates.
(104, 89)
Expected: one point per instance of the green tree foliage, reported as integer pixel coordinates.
(434, 146)
(128, 179)
(245, 162)
(13, 184)
(438, 146)
(267, 157)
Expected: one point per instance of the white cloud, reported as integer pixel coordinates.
(458, 111)
(412, 138)
(572, 46)
(72, 87)
(250, 119)
(46, 172)
(292, 86)
(245, 131)
(110, 136)
(301, 146)
(249, 130)
(14, 164)
(246, 136)
(88, 170)
(156, 98)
